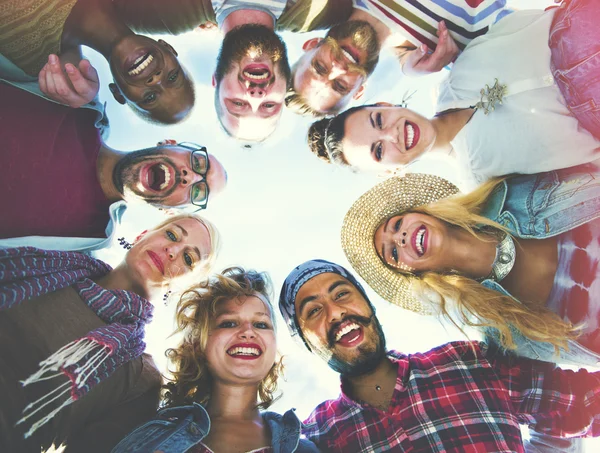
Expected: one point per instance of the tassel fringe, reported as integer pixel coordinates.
(69, 355)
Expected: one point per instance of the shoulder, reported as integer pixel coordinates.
(456, 351)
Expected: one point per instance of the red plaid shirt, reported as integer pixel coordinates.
(464, 399)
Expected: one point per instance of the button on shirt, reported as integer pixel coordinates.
(463, 398)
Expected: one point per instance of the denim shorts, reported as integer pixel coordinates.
(575, 47)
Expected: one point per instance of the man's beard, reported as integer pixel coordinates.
(364, 38)
(126, 174)
(255, 40)
(370, 355)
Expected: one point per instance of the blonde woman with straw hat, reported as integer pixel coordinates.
(518, 257)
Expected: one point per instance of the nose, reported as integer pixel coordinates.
(172, 249)
(189, 177)
(247, 331)
(401, 241)
(390, 134)
(257, 91)
(154, 79)
(335, 312)
(336, 71)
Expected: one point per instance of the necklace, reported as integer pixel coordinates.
(504, 260)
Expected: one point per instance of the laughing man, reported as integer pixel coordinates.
(459, 397)
(252, 72)
(333, 71)
(147, 74)
(62, 182)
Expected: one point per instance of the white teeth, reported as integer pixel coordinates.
(410, 132)
(165, 184)
(345, 330)
(257, 77)
(349, 56)
(244, 351)
(145, 61)
(419, 240)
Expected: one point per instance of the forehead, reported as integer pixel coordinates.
(194, 232)
(318, 286)
(252, 305)
(358, 138)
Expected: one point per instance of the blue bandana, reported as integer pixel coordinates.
(297, 278)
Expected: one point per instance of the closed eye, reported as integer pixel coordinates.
(319, 68)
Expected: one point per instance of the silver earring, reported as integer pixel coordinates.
(123, 243)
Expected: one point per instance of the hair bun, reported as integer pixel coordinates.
(316, 139)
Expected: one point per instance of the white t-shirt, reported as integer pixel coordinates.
(532, 130)
(224, 8)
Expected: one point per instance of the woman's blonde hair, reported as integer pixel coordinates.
(206, 265)
(191, 379)
(478, 306)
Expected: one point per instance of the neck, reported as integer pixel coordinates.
(94, 23)
(105, 166)
(375, 386)
(247, 16)
(120, 278)
(233, 401)
(382, 30)
(469, 255)
(447, 126)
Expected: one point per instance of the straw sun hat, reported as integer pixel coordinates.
(387, 199)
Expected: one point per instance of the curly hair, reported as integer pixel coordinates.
(191, 379)
(478, 306)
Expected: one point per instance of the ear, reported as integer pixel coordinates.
(384, 104)
(116, 92)
(311, 44)
(214, 81)
(168, 46)
(359, 92)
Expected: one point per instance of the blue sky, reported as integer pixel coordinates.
(282, 206)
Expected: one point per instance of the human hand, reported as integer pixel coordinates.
(419, 62)
(73, 86)
(167, 141)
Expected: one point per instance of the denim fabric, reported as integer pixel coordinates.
(177, 429)
(541, 206)
(575, 47)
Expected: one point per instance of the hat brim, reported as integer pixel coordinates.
(387, 199)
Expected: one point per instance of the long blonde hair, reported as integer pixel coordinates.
(191, 381)
(478, 306)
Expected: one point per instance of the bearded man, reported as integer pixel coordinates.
(62, 184)
(426, 35)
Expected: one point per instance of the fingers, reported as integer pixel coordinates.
(84, 80)
(88, 71)
(413, 63)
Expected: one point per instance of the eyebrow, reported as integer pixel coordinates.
(308, 299)
(185, 234)
(230, 312)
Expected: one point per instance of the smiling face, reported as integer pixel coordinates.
(385, 137)
(414, 242)
(339, 325)
(149, 77)
(161, 255)
(333, 71)
(166, 176)
(251, 80)
(241, 344)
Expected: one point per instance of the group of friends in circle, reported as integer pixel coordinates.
(517, 257)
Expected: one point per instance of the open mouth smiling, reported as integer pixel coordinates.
(245, 352)
(348, 334)
(350, 54)
(411, 135)
(419, 240)
(157, 177)
(256, 73)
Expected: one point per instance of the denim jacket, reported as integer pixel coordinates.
(541, 206)
(176, 430)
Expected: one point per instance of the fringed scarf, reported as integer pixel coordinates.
(27, 272)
